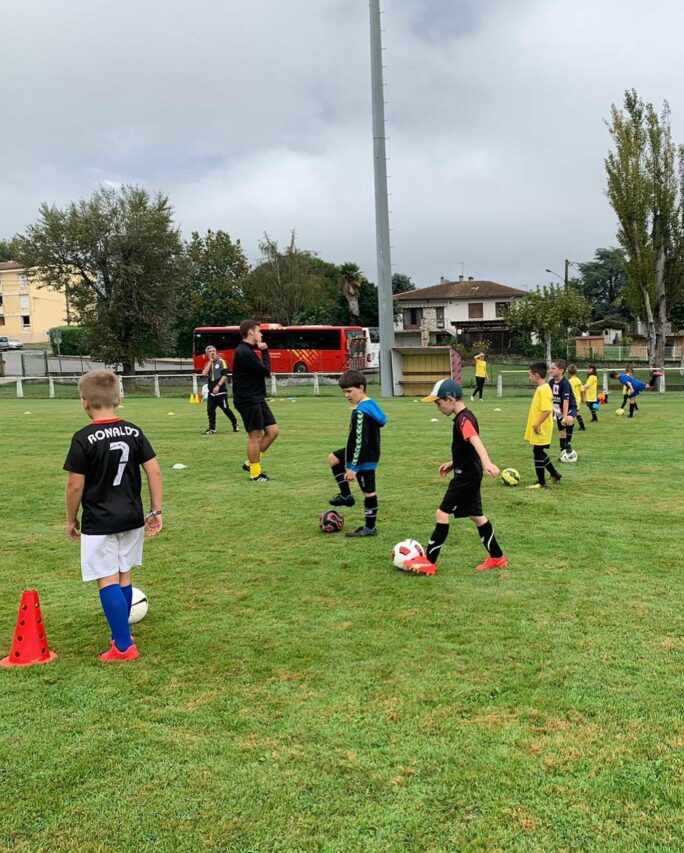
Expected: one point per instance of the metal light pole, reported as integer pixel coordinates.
(382, 237)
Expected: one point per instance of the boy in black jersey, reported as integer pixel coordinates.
(359, 459)
(564, 409)
(462, 499)
(104, 463)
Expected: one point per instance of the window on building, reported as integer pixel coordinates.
(0, 300)
(412, 317)
(2, 321)
(440, 318)
(23, 281)
(25, 321)
(24, 302)
(475, 310)
(501, 308)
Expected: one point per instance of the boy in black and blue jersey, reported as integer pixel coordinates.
(564, 409)
(359, 459)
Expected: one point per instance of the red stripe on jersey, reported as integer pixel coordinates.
(467, 430)
(107, 421)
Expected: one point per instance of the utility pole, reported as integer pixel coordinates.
(382, 236)
(567, 273)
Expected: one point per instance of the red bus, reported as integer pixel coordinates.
(294, 349)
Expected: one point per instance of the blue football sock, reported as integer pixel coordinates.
(114, 606)
(128, 595)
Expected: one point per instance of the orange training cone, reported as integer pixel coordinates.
(30, 644)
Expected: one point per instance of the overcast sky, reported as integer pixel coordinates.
(255, 116)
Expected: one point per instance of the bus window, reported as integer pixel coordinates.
(221, 339)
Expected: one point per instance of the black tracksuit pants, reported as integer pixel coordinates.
(220, 401)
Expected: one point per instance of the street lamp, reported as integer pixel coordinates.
(565, 278)
(566, 281)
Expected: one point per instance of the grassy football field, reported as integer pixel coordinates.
(295, 692)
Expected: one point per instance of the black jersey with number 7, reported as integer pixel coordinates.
(109, 455)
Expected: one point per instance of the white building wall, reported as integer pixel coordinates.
(457, 311)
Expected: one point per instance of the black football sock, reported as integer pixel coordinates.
(568, 440)
(540, 460)
(486, 533)
(563, 444)
(580, 422)
(438, 538)
(632, 407)
(624, 401)
(342, 484)
(548, 464)
(371, 506)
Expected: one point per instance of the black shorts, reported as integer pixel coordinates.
(366, 479)
(462, 498)
(255, 416)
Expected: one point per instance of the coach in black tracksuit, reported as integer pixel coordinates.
(216, 372)
(251, 366)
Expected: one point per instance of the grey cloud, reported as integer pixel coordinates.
(256, 117)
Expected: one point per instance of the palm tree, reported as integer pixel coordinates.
(350, 281)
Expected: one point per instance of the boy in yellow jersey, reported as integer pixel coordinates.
(591, 391)
(480, 375)
(540, 426)
(576, 385)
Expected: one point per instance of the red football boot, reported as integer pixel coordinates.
(492, 563)
(131, 653)
(420, 565)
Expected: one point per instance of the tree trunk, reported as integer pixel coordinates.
(128, 379)
(352, 304)
(547, 348)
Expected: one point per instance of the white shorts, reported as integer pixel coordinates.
(105, 555)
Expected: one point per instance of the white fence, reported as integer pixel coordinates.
(510, 382)
(170, 385)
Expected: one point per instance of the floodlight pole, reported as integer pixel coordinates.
(382, 236)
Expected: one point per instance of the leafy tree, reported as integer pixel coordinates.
(602, 282)
(644, 192)
(120, 258)
(351, 279)
(402, 283)
(368, 304)
(283, 285)
(548, 312)
(330, 306)
(6, 250)
(212, 294)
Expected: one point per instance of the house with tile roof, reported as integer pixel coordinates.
(468, 309)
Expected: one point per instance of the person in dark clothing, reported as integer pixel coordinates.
(462, 499)
(359, 459)
(251, 366)
(216, 371)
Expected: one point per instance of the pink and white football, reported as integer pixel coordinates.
(407, 549)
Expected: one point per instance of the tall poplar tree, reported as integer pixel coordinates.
(645, 191)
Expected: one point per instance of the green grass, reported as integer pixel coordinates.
(297, 693)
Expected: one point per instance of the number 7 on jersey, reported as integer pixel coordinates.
(125, 450)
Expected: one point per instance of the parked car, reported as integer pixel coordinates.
(9, 343)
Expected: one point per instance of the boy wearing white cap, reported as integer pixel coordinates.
(462, 499)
